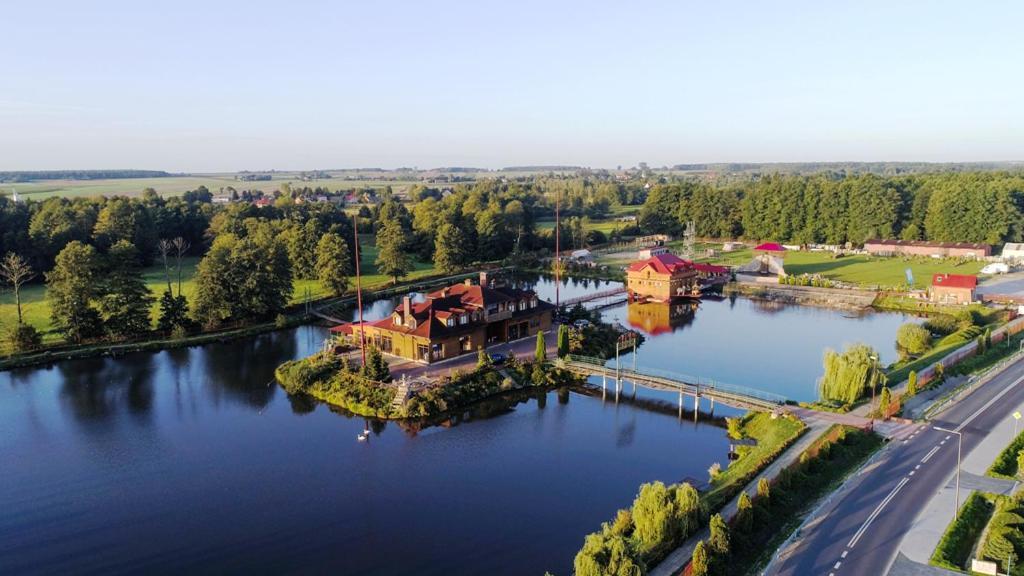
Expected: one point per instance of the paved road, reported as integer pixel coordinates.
(860, 531)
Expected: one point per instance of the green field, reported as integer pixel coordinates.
(176, 185)
(36, 308)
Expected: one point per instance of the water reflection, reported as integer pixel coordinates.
(100, 388)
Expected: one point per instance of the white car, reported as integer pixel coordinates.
(995, 268)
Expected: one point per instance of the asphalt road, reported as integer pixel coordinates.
(860, 534)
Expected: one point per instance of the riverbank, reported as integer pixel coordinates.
(295, 315)
(840, 298)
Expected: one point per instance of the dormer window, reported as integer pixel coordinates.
(398, 320)
(533, 303)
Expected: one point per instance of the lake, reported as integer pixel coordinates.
(193, 460)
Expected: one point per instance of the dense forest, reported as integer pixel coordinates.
(32, 175)
(91, 251)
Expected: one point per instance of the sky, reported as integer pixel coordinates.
(203, 86)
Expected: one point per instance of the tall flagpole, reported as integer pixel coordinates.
(558, 263)
(359, 291)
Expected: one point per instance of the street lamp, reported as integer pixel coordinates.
(959, 444)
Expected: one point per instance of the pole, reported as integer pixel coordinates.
(359, 291)
(558, 263)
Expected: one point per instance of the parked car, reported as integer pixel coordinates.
(995, 268)
(497, 358)
(581, 324)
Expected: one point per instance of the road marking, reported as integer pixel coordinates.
(911, 473)
(941, 443)
(838, 564)
(946, 438)
(918, 467)
(878, 510)
(929, 455)
(845, 552)
(992, 401)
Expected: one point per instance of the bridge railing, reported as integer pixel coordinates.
(700, 383)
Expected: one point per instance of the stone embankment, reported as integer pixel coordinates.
(805, 295)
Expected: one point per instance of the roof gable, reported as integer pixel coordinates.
(955, 281)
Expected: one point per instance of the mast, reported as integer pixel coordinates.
(359, 291)
(558, 263)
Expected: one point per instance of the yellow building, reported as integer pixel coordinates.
(456, 320)
(661, 278)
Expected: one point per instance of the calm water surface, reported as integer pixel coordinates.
(193, 460)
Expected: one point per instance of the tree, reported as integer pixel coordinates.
(125, 301)
(173, 313)
(607, 554)
(700, 563)
(391, 257)
(734, 426)
(563, 340)
(541, 353)
(689, 509)
(764, 489)
(654, 517)
(71, 287)
(24, 337)
(483, 360)
(848, 375)
(450, 249)
(912, 338)
(718, 541)
(1020, 463)
(911, 384)
(744, 513)
(884, 402)
(181, 246)
(332, 263)
(16, 271)
(376, 367)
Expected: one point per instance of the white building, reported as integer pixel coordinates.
(1012, 252)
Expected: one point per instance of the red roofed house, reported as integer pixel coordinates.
(953, 288)
(661, 277)
(457, 320)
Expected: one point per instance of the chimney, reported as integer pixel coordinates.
(407, 309)
(483, 279)
(444, 292)
(468, 282)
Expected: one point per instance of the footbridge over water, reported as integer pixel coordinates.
(729, 394)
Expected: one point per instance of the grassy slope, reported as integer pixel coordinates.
(36, 308)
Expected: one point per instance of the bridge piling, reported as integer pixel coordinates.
(680, 403)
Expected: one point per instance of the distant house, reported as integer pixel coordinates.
(932, 249)
(582, 256)
(953, 288)
(651, 252)
(263, 202)
(1013, 252)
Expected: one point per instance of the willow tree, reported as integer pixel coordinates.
(850, 374)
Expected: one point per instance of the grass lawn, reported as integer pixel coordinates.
(36, 308)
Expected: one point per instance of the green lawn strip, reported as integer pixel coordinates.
(1005, 465)
(957, 543)
(773, 437)
(795, 494)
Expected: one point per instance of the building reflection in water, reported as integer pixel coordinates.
(655, 318)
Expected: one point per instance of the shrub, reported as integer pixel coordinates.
(911, 384)
(1008, 463)
(25, 337)
(281, 321)
(715, 471)
(848, 375)
(955, 547)
(734, 427)
(912, 338)
(941, 325)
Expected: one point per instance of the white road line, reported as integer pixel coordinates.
(929, 455)
(911, 473)
(878, 510)
(992, 401)
(946, 438)
(942, 443)
(918, 467)
(845, 552)
(838, 564)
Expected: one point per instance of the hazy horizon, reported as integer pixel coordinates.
(257, 86)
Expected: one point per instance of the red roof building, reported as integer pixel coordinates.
(661, 278)
(455, 320)
(769, 247)
(953, 288)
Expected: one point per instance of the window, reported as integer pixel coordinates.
(398, 320)
(533, 303)
(463, 318)
(385, 344)
(422, 352)
(450, 322)
(522, 305)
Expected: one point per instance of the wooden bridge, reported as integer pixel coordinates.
(729, 394)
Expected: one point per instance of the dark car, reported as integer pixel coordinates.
(497, 358)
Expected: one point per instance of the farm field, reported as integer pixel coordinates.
(175, 185)
(36, 308)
